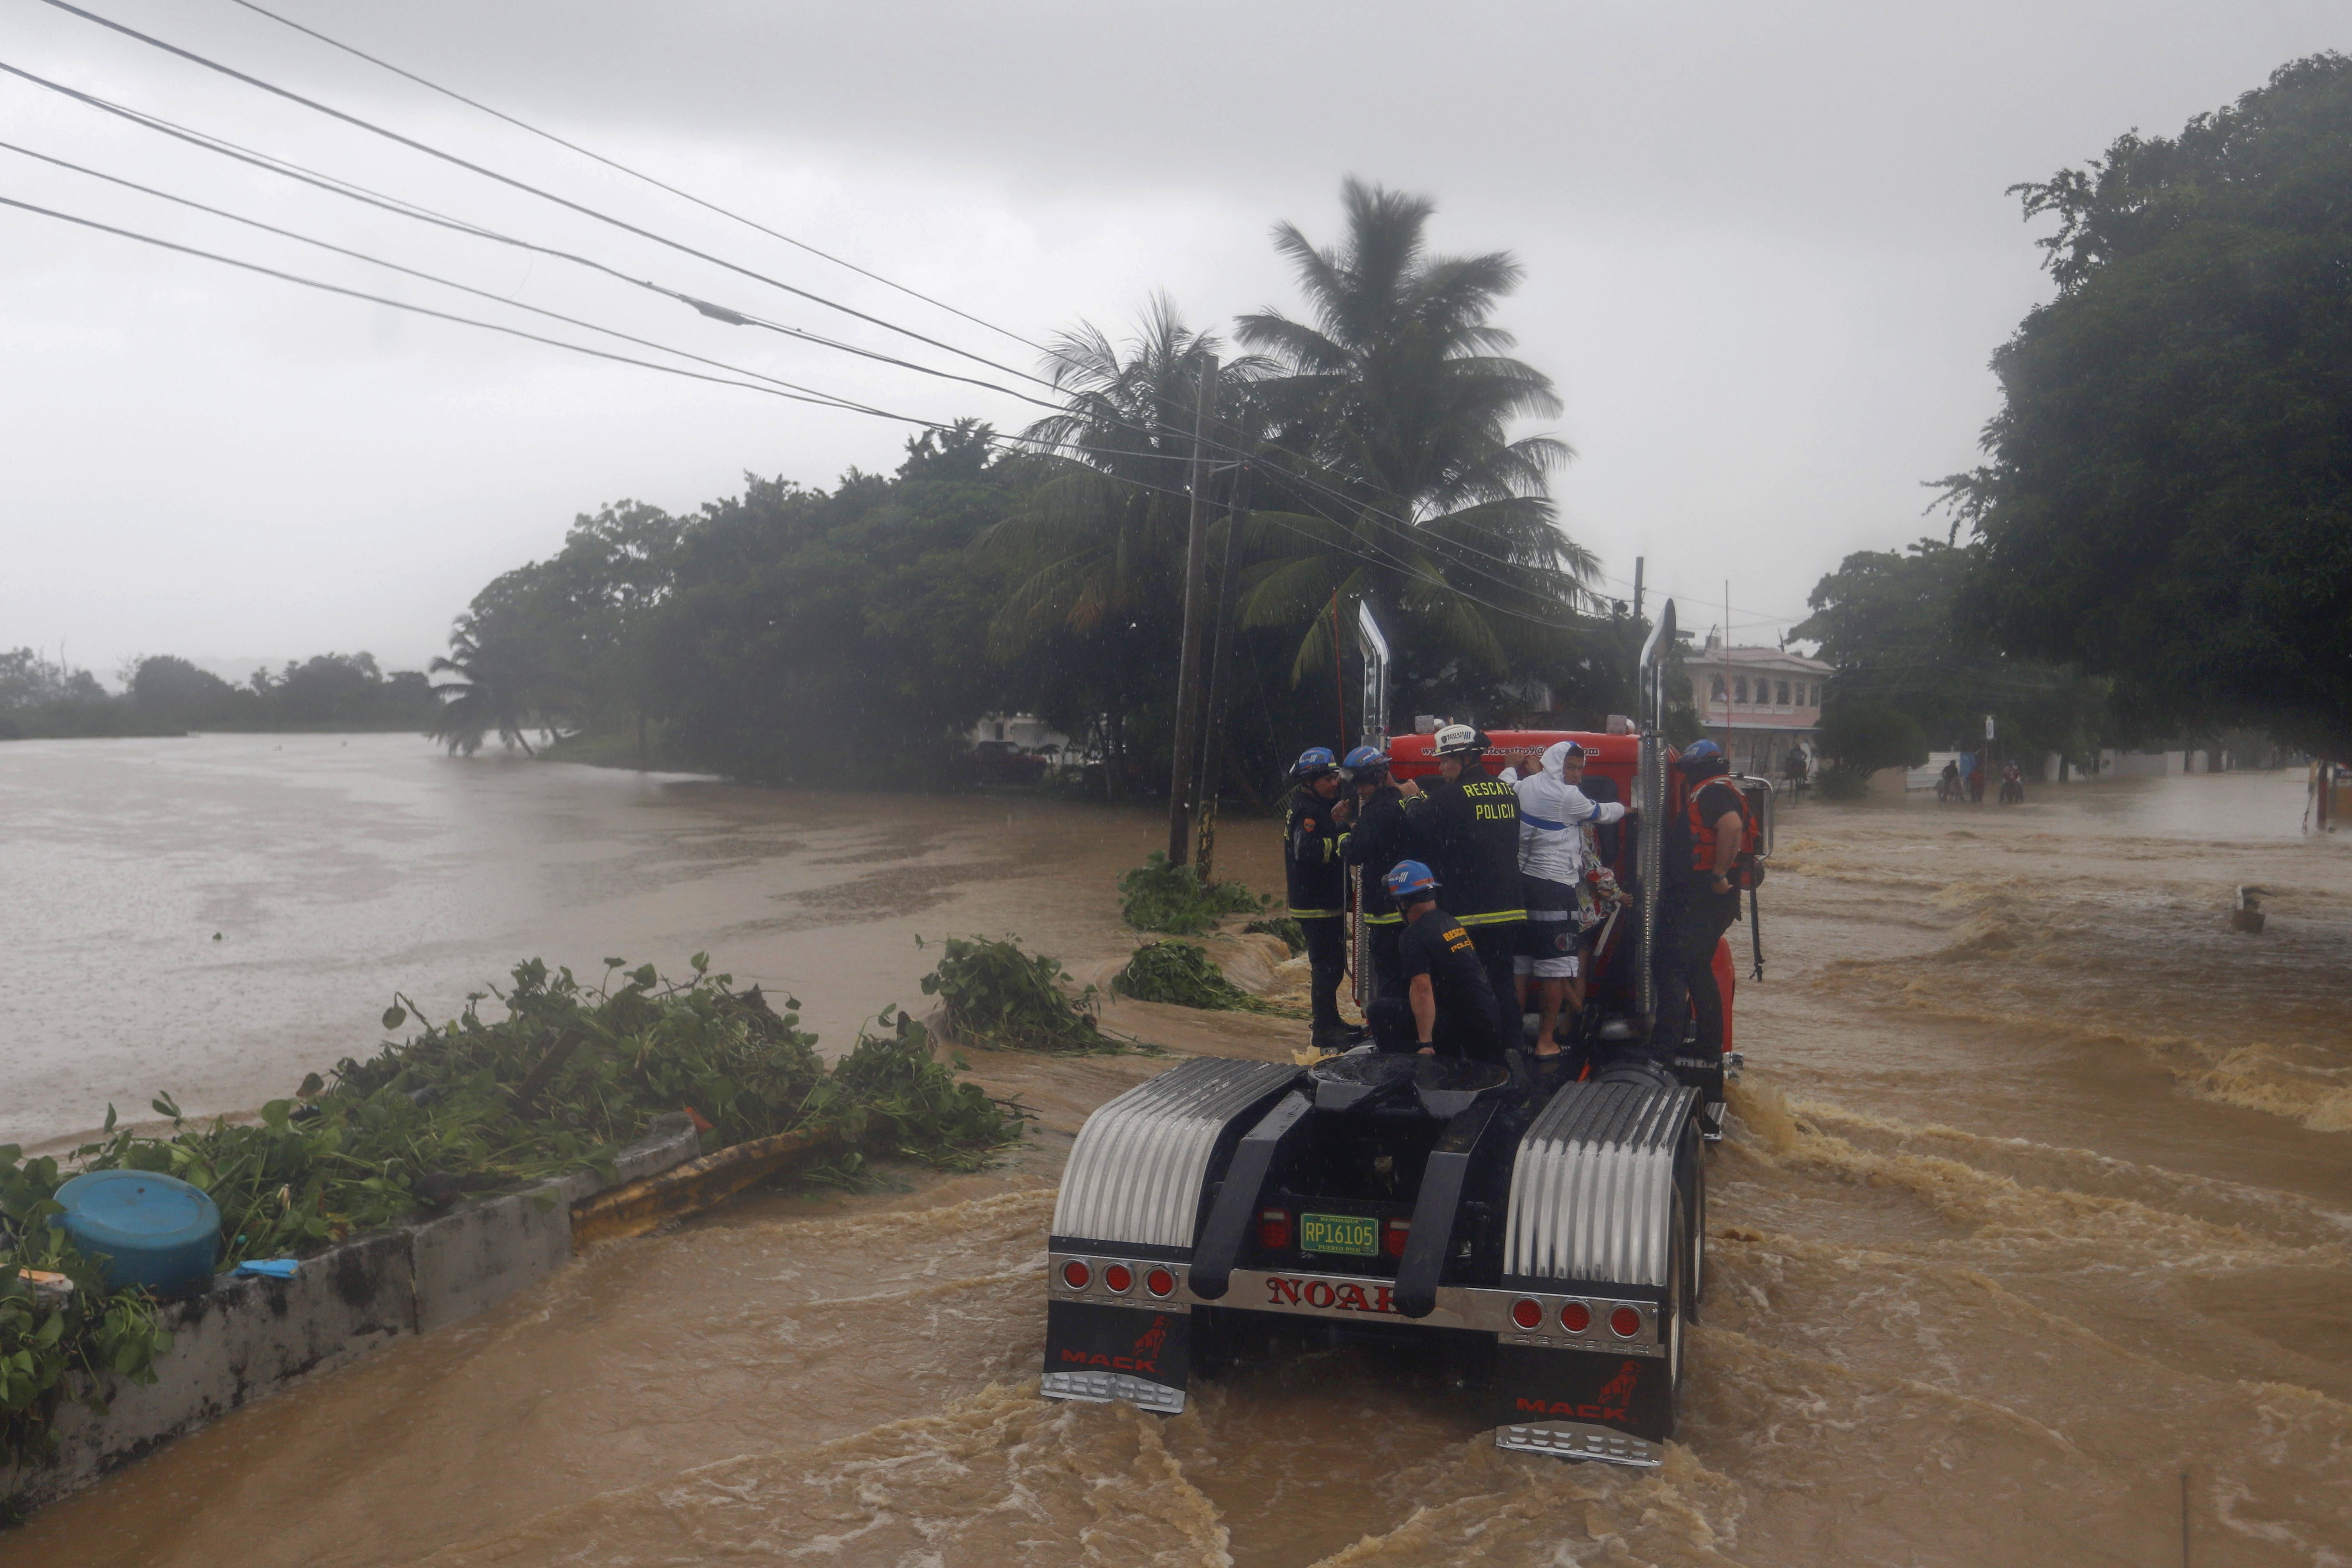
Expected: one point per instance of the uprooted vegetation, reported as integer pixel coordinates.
(1283, 929)
(995, 997)
(1157, 896)
(1184, 973)
(570, 1075)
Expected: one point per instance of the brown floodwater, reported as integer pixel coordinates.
(2037, 1201)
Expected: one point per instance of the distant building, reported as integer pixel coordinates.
(1757, 703)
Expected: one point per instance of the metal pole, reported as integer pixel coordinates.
(1221, 668)
(1188, 672)
(1650, 798)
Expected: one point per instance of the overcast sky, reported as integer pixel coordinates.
(1767, 254)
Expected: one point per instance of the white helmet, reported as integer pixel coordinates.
(1457, 740)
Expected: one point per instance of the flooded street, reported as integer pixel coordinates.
(219, 915)
(2038, 1197)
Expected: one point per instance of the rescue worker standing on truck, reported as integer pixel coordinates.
(1705, 852)
(1377, 839)
(1313, 831)
(1467, 827)
(1448, 1008)
(1555, 818)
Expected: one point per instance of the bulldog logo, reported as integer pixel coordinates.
(1618, 1389)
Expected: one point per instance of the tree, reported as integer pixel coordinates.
(1393, 471)
(491, 696)
(1890, 621)
(1863, 735)
(2169, 496)
(1096, 550)
(840, 637)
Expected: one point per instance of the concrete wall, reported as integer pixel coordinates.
(244, 1339)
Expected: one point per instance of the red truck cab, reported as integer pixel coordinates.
(1613, 757)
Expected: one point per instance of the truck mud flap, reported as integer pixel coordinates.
(1583, 1404)
(1101, 1353)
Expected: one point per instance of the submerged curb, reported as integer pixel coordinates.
(244, 1339)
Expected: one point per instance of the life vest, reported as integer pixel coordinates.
(1747, 871)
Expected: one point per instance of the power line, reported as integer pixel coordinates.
(403, 208)
(721, 313)
(416, 272)
(818, 399)
(524, 186)
(615, 163)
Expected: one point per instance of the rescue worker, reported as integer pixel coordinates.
(1448, 1007)
(1556, 820)
(1312, 835)
(1700, 853)
(1376, 840)
(1467, 827)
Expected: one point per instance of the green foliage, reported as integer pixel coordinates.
(1864, 734)
(845, 636)
(1281, 926)
(51, 1343)
(2166, 500)
(891, 1094)
(560, 1082)
(999, 998)
(1891, 622)
(1184, 973)
(1157, 896)
(1399, 383)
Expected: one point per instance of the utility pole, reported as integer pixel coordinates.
(1637, 587)
(1188, 673)
(1221, 666)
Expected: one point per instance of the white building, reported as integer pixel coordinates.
(1757, 703)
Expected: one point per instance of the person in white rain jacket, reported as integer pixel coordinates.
(1556, 821)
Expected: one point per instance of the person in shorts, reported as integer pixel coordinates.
(1557, 820)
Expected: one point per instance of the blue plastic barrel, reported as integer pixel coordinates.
(150, 1229)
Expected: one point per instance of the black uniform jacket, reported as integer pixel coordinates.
(1379, 838)
(1468, 831)
(1317, 878)
(1439, 946)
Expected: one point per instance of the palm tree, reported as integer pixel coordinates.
(1391, 419)
(1099, 544)
(492, 694)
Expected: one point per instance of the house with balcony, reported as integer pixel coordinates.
(1757, 703)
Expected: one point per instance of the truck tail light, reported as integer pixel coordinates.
(1118, 1279)
(1527, 1314)
(1159, 1282)
(1273, 1229)
(1576, 1316)
(1394, 1238)
(1076, 1275)
(1625, 1322)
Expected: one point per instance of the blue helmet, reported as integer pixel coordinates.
(1314, 760)
(1364, 759)
(1702, 754)
(1410, 880)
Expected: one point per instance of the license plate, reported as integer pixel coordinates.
(1357, 1236)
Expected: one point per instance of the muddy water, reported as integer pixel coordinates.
(2036, 1201)
(219, 916)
